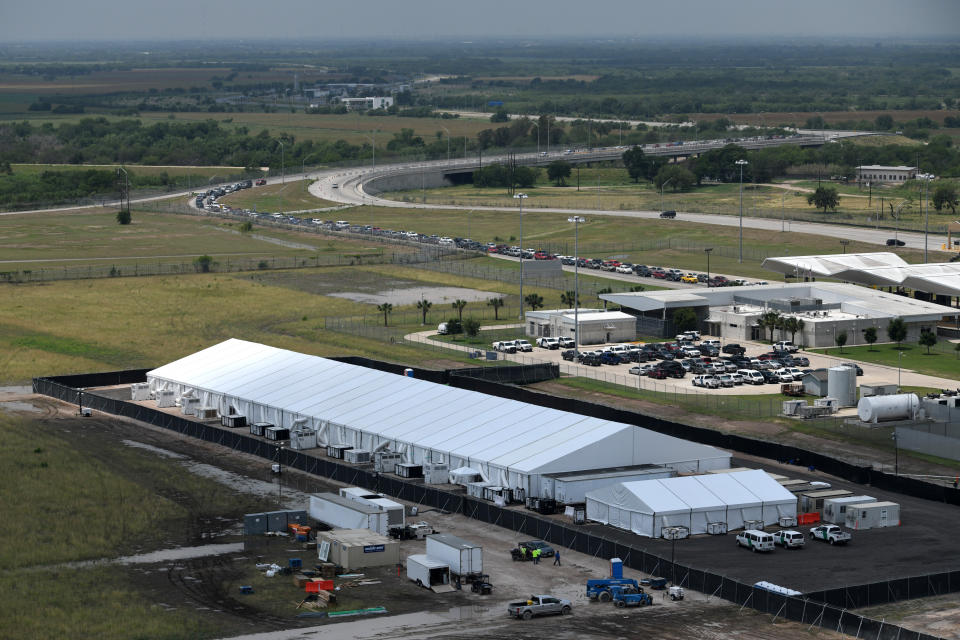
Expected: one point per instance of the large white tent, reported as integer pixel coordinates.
(645, 507)
(510, 443)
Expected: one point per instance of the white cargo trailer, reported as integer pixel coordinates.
(342, 513)
(464, 558)
(872, 515)
(428, 572)
(357, 493)
(396, 515)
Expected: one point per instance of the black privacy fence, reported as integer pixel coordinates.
(827, 609)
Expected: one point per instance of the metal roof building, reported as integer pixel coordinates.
(511, 443)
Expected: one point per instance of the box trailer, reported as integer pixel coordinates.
(464, 558)
(872, 515)
(396, 514)
(342, 513)
(811, 501)
(835, 509)
(428, 572)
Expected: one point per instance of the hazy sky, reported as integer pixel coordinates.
(26, 20)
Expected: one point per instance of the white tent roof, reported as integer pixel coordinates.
(696, 493)
(468, 424)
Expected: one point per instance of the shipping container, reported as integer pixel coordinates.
(341, 513)
(872, 515)
(427, 572)
(464, 558)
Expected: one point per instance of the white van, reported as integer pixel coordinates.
(750, 376)
(442, 329)
(755, 540)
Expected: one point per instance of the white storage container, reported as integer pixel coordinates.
(342, 513)
(716, 528)
(358, 494)
(464, 558)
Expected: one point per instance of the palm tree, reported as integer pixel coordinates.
(790, 325)
(385, 308)
(459, 305)
(800, 325)
(496, 303)
(568, 299)
(424, 306)
(769, 319)
(534, 301)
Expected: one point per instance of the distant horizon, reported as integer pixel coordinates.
(41, 21)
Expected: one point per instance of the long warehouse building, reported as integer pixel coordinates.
(511, 443)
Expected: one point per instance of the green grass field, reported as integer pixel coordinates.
(292, 196)
(172, 171)
(942, 361)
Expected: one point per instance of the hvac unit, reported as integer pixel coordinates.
(409, 470)
(676, 533)
(386, 461)
(259, 428)
(166, 399)
(140, 391)
(792, 407)
(475, 489)
(277, 433)
(189, 405)
(829, 403)
(436, 473)
(787, 521)
(358, 456)
(336, 450)
(233, 421)
(757, 525)
(207, 413)
(303, 439)
(300, 424)
(714, 528)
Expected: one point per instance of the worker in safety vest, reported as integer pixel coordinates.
(536, 556)
(523, 552)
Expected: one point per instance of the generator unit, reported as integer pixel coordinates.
(207, 413)
(357, 456)
(336, 450)
(277, 433)
(166, 399)
(409, 470)
(140, 391)
(436, 473)
(386, 461)
(233, 421)
(259, 428)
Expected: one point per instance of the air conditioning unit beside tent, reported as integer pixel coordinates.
(166, 399)
(386, 461)
(207, 413)
(792, 407)
(189, 405)
(140, 391)
(358, 456)
(336, 450)
(303, 439)
(436, 473)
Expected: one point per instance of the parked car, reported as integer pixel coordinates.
(751, 376)
(895, 242)
(565, 342)
(541, 605)
(568, 354)
(755, 540)
(733, 348)
(523, 345)
(609, 357)
(668, 214)
(726, 380)
(261, 181)
(505, 346)
(789, 539)
(852, 365)
(689, 279)
(786, 345)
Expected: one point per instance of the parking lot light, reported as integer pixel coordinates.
(521, 197)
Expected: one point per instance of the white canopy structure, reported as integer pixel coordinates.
(647, 506)
(509, 443)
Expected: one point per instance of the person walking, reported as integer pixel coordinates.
(536, 556)
(556, 559)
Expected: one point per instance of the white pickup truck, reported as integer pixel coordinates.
(542, 605)
(505, 346)
(830, 533)
(548, 343)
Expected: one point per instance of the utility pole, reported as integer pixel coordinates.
(741, 164)
(521, 197)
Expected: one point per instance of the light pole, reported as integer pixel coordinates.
(899, 355)
(707, 251)
(664, 184)
(783, 216)
(741, 163)
(576, 220)
(521, 197)
(448, 141)
(283, 165)
(926, 218)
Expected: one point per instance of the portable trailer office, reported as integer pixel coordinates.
(872, 515)
(813, 500)
(835, 509)
(464, 558)
(342, 513)
(571, 487)
(358, 548)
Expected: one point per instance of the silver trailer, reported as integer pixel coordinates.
(464, 558)
(342, 513)
(428, 572)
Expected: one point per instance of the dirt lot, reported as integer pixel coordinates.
(207, 585)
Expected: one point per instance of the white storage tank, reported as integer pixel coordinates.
(903, 406)
(842, 385)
